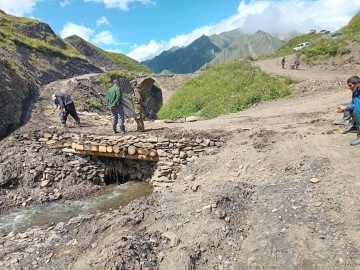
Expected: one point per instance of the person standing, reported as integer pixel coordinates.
(138, 103)
(66, 105)
(115, 103)
(283, 62)
(296, 63)
(354, 85)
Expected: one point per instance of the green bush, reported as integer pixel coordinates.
(93, 103)
(7, 64)
(224, 89)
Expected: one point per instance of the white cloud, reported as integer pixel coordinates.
(284, 16)
(65, 3)
(104, 37)
(121, 4)
(146, 51)
(102, 21)
(70, 29)
(276, 17)
(18, 7)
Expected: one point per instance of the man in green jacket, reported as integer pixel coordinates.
(115, 103)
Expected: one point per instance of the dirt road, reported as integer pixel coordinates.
(281, 194)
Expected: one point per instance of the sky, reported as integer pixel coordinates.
(142, 29)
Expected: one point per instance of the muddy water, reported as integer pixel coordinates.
(112, 197)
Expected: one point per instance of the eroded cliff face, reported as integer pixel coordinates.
(23, 71)
(15, 95)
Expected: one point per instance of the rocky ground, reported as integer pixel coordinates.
(281, 194)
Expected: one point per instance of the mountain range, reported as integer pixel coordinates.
(214, 49)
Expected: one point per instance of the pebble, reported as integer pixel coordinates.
(314, 180)
(316, 204)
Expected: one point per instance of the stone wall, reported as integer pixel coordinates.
(43, 167)
(171, 154)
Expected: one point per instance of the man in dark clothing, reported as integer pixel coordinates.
(115, 103)
(67, 107)
(283, 62)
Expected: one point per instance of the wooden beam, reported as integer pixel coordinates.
(116, 155)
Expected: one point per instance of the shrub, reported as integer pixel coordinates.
(7, 64)
(93, 103)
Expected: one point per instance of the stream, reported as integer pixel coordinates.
(111, 197)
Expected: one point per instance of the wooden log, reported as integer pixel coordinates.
(79, 147)
(113, 155)
(131, 150)
(109, 148)
(142, 151)
(73, 145)
(116, 149)
(94, 147)
(87, 146)
(102, 148)
(152, 153)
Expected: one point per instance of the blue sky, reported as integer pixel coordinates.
(143, 29)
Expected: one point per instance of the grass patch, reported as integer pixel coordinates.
(7, 64)
(224, 89)
(324, 50)
(92, 102)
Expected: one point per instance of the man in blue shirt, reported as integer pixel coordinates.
(354, 85)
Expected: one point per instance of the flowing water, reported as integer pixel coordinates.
(112, 197)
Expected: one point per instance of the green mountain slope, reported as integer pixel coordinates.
(185, 60)
(191, 58)
(260, 43)
(103, 59)
(214, 49)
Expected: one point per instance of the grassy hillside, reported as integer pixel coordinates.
(287, 48)
(126, 61)
(101, 58)
(35, 35)
(322, 46)
(224, 89)
(352, 30)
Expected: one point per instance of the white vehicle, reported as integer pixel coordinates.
(301, 46)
